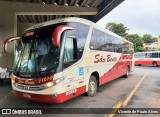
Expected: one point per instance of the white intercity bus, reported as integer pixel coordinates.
(60, 59)
(147, 58)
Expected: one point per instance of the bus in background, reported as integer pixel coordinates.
(147, 58)
(60, 59)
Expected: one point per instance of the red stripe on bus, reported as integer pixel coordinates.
(33, 81)
(118, 70)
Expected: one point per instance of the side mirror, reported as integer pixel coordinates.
(56, 37)
(6, 42)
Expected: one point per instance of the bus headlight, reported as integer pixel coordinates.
(13, 79)
(54, 82)
(49, 84)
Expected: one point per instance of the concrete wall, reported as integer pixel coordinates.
(6, 30)
(8, 25)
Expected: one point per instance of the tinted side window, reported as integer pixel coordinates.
(136, 55)
(142, 55)
(80, 32)
(118, 45)
(68, 50)
(154, 55)
(97, 40)
(148, 55)
(127, 48)
(109, 43)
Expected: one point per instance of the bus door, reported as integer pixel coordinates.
(70, 67)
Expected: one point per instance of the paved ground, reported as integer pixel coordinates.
(147, 95)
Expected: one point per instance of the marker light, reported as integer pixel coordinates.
(29, 34)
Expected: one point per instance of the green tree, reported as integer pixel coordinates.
(139, 49)
(147, 38)
(137, 41)
(119, 29)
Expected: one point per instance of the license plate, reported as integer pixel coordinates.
(26, 95)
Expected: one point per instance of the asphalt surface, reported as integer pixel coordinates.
(148, 93)
(108, 95)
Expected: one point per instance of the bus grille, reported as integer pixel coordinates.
(27, 87)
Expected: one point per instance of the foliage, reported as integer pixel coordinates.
(147, 38)
(119, 29)
(139, 49)
(138, 41)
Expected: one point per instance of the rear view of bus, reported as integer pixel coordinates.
(61, 59)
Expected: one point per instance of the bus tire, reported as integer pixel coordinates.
(127, 72)
(92, 86)
(154, 64)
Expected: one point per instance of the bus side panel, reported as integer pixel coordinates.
(118, 70)
(147, 62)
(112, 74)
(158, 62)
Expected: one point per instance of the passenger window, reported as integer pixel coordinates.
(70, 52)
(147, 55)
(154, 55)
(97, 40)
(81, 33)
(136, 55)
(109, 43)
(118, 45)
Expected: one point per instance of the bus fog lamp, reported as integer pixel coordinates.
(54, 95)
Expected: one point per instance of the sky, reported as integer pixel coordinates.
(139, 16)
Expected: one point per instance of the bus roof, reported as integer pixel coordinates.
(61, 20)
(78, 20)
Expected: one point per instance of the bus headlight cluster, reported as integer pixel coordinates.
(54, 82)
(49, 84)
(13, 79)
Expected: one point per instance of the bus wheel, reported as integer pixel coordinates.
(127, 72)
(92, 87)
(154, 64)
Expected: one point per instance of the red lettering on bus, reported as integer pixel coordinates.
(99, 59)
(110, 59)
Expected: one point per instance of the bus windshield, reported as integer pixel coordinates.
(35, 54)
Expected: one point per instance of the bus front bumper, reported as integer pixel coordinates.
(39, 97)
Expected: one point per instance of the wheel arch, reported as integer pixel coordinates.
(129, 67)
(96, 74)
